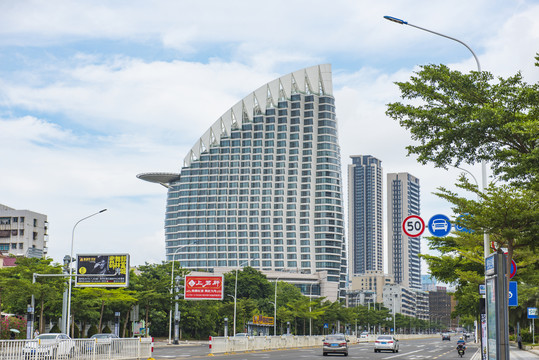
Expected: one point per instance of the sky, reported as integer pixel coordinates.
(93, 93)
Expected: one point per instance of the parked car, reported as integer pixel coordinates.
(241, 334)
(386, 342)
(335, 344)
(446, 336)
(104, 343)
(51, 345)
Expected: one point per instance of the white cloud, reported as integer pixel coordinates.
(92, 94)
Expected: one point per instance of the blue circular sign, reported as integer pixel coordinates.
(439, 225)
(461, 228)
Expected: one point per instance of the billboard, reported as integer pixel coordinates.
(103, 270)
(204, 287)
(263, 320)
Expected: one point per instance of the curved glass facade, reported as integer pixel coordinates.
(263, 185)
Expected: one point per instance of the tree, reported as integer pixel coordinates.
(16, 287)
(469, 118)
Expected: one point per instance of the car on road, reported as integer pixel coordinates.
(52, 346)
(364, 335)
(335, 344)
(242, 334)
(446, 336)
(104, 343)
(386, 342)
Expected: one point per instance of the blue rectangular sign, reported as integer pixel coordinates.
(482, 289)
(489, 265)
(513, 294)
(532, 313)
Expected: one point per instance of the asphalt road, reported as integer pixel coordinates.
(409, 350)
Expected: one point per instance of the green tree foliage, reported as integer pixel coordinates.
(16, 288)
(468, 118)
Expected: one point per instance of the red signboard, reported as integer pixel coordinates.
(204, 287)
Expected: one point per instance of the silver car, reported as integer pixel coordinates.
(335, 344)
(51, 346)
(386, 342)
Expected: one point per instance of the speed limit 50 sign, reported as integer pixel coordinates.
(413, 226)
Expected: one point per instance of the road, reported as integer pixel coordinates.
(409, 350)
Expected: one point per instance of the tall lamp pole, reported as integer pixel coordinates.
(68, 317)
(172, 286)
(310, 300)
(236, 293)
(486, 240)
(275, 310)
(483, 163)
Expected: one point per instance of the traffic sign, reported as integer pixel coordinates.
(326, 325)
(513, 269)
(413, 226)
(532, 313)
(460, 228)
(513, 293)
(482, 289)
(439, 225)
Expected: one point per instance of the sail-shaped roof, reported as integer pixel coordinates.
(311, 80)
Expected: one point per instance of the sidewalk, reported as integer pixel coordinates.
(514, 354)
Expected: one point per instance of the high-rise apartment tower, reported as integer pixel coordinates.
(403, 200)
(365, 216)
(262, 186)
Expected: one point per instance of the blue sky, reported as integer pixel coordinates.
(93, 93)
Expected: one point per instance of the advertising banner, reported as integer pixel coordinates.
(263, 320)
(103, 270)
(206, 287)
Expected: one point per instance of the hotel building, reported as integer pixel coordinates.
(262, 186)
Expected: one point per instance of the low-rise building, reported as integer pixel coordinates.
(23, 232)
(371, 282)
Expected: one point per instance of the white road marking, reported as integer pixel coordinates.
(403, 354)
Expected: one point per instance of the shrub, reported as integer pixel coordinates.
(106, 330)
(76, 334)
(12, 322)
(92, 330)
(55, 329)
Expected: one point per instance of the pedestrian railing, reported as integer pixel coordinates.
(77, 349)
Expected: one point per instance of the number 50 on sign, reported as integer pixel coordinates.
(413, 226)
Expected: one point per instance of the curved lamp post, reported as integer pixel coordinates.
(483, 163)
(68, 320)
(172, 286)
(236, 292)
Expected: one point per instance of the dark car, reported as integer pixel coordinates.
(335, 344)
(446, 336)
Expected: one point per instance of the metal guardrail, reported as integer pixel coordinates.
(77, 349)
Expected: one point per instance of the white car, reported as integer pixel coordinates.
(104, 343)
(52, 346)
(386, 342)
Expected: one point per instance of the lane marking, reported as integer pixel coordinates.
(403, 354)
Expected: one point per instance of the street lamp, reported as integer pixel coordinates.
(483, 163)
(310, 300)
(236, 292)
(171, 289)
(68, 317)
(275, 310)
(394, 315)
